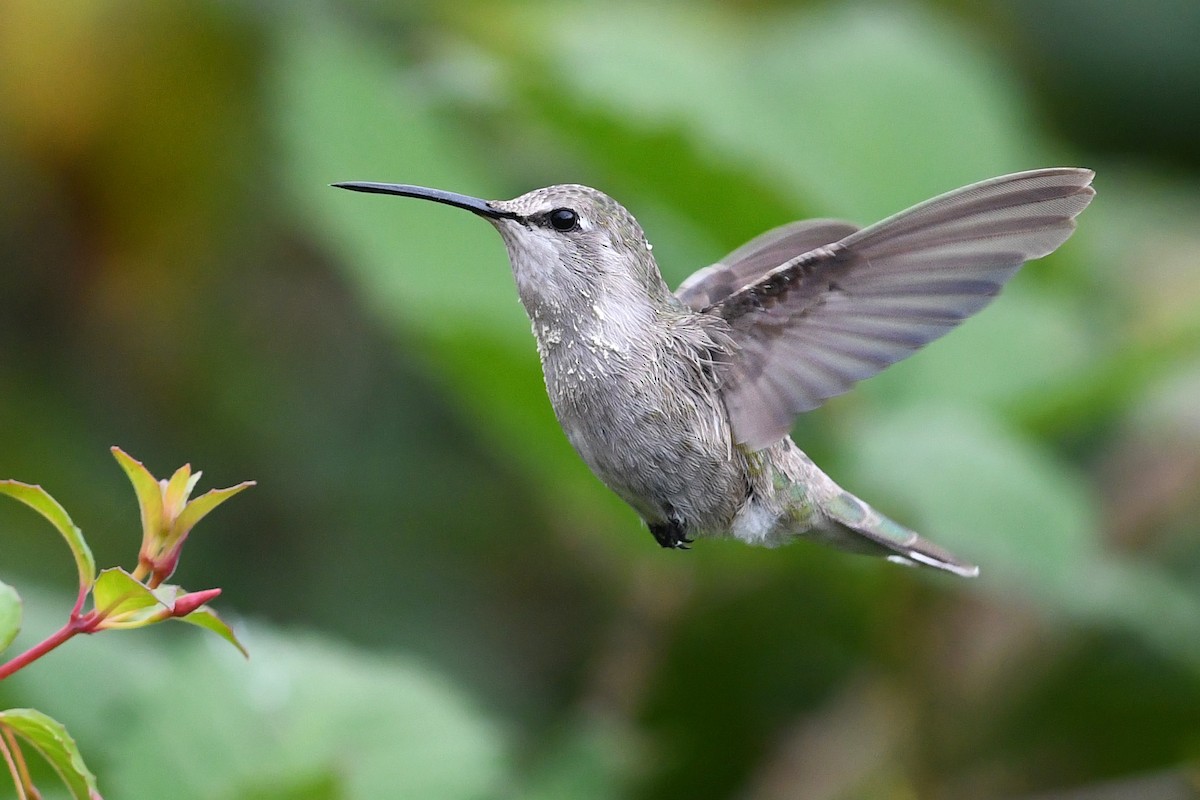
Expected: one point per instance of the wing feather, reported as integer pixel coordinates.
(758, 256)
(811, 323)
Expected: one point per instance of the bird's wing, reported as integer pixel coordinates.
(818, 322)
(756, 258)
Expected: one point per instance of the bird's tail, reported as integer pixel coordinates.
(858, 526)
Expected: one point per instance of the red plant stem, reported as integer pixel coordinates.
(84, 590)
(75, 625)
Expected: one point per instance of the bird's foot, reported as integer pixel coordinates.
(671, 534)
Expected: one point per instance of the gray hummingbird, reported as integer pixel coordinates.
(682, 402)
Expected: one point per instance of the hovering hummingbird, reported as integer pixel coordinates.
(682, 402)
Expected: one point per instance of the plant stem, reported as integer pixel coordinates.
(84, 590)
(76, 624)
(14, 747)
(12, 768)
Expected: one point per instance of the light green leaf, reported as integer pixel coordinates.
(135, 606)
(218, 726)
(40, 500)
(1028, 519)
(53, 742)
(815, 131)
(587, 762)
(1025, 345)
(198, 509)
(10, 615)
(303, 707)
(349, 114)
(126, 601)
(177, 490)
(149, 493)
(205, 617)
(981, 491)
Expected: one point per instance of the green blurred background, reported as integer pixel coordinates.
(439, 599)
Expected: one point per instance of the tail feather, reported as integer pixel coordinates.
(865, 529)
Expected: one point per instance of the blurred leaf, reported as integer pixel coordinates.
(347, 113)
(868, 110)
(404, 729)
(588, 762)
(1026, 518)
(1018, 349)
(40, 500)
(324, 786)
(10, 615)
(979, 490)
(305, 712)
(53, 742)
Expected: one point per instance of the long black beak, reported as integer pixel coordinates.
(472, 204)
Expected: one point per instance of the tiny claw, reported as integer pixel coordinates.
(671, 535)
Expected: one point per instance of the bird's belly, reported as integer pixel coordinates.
(669, 458)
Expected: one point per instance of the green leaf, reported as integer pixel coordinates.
(348, 114)
(815, 131)
(305, 706)
(1028, 519)
(588, 761)
(989, 362)
(149, 493)
(198, 509)
(135, 606)
(40, 501)
(126, 602)
(10, 615)
(178, 488)
(982, 491)
(325, 785)
(53, 742)
(206, 618)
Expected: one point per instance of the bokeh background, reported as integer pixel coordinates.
(439, 599)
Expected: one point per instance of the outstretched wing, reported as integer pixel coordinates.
(813, 325)
(757, 257)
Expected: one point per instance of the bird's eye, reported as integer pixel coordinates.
(564, 219)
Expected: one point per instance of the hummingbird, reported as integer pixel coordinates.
(682, 402)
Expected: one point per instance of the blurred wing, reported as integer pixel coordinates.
(757, 257)
(813, 326)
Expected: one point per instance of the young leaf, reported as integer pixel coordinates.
(10, 615)
(40, 501)
(149, 494)
(125, 602)
(51, 739)
(205, 617)
(176, 491)
(198, 509)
